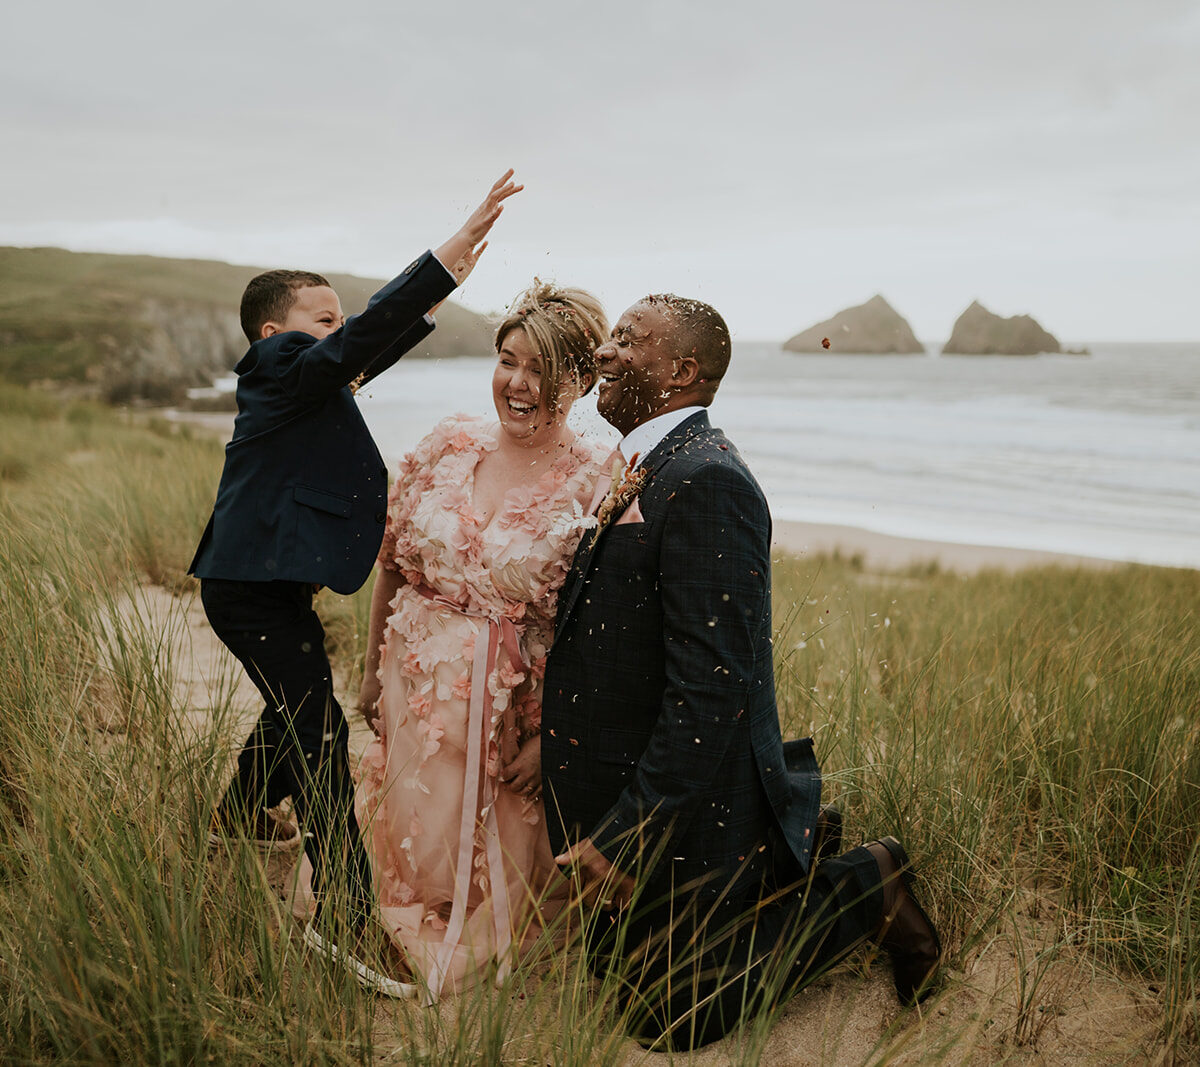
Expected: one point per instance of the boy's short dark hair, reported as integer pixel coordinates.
(270, 296)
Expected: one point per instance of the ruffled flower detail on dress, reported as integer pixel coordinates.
(573, 523)
(481, 871)
(419, 703)
(432, 732)
(393, 889)
(371, 766)
(531, 811)
(461, 689)
(414, 831)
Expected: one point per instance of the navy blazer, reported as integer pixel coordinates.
(660, 735)
(303, 496)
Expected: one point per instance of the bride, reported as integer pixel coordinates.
(483, 521)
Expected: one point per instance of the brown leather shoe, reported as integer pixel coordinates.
(905, 930)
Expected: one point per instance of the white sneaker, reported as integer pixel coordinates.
(268, 833)
(367, 977)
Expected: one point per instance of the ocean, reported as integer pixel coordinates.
(1093, 455)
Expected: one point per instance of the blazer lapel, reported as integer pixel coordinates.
(585, 554)
(684, 432)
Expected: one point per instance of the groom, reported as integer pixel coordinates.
(668, 787)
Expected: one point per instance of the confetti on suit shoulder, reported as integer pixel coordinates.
(824, 342)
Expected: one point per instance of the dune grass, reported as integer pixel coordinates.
(1034, 739)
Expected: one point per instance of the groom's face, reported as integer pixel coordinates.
(635, 367)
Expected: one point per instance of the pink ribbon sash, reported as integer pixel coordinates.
(479, 793)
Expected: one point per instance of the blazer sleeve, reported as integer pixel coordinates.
(392, 323)
(714, 576)
(407, 341)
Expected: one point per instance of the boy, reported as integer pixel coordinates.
(301, 504)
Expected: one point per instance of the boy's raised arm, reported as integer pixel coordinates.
(374, 340)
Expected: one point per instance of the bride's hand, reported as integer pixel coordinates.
(368, 700)
(523, 773)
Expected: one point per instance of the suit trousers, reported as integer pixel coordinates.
(298, 747)
(690, 971)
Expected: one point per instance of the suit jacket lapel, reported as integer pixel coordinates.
(585, 554)
(685, 431)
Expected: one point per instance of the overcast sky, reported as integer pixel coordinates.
(781, 160)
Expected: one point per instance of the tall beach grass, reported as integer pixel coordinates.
(1033, 738)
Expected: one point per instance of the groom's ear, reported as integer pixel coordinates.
(685, 372)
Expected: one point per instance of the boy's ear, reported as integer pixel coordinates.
(269, 329)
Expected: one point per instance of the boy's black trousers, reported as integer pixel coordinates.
(298, 748)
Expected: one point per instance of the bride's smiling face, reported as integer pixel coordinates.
(518, 394)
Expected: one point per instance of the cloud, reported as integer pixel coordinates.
(783, 160)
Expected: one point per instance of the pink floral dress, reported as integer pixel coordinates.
(462, 865)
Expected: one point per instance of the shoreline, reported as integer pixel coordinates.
(881, 551)
(801, 540)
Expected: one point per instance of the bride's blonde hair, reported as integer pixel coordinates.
(565, 327)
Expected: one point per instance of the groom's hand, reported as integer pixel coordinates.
(603, 883)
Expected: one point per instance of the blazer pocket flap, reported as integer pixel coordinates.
(621, 747)
(323, 501)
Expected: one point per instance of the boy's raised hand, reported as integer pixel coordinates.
(466, 264)
(460, 254)
(477, 226)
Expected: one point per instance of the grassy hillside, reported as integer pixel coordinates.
(125, 328)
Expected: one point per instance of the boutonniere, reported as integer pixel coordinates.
(627, 483)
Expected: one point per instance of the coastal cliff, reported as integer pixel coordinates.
(873, 328)
(146, 329)
(979, 332)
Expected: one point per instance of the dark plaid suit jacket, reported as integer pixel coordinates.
(660, 735)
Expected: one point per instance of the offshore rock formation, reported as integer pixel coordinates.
(873, 328)
(978, 332)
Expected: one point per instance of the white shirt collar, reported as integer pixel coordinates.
(643, 439)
